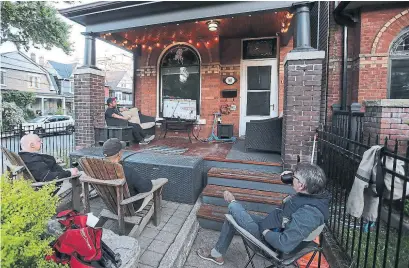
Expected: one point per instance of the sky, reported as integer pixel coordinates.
(102, 49)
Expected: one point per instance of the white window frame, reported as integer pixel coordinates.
(3, 73)
(36, 80)
(395, 55)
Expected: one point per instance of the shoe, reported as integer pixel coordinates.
(149, 138)
(143, 142)
(205, 255)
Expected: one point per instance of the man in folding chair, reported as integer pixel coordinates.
(285, 228)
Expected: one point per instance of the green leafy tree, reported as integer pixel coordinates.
(33, 24)
(12, 115)
(22, 99)
(24, 216)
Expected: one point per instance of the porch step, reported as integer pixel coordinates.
(212, 217)
(270, 167)
(247, 179)
(254, 200)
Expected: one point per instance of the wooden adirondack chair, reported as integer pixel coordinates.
(18, 169)
(109, 181)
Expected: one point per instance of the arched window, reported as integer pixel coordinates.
(399, 66)
(180, 75)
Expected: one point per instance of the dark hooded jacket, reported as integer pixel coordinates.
(295, 219)
(43, 167)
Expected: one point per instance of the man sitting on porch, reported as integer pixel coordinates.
(137, 132)
(286, 227)
(112, 150)
(43, 167)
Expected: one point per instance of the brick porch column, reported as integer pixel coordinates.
(302, 99)
(89, 98)
(388, 118)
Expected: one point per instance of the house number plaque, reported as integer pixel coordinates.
(230, 80)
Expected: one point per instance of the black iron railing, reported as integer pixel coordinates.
(385, 242)
(58, 140)
(348, 124)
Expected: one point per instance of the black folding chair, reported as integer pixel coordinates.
(278, 260)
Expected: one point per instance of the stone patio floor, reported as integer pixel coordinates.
(235, 257)
(154, 240)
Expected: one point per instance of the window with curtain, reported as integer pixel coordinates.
(180, 75)
(399, 67)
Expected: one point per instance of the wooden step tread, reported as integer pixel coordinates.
(220, 159)
(254, 196)
(242, 174)
(216, 213)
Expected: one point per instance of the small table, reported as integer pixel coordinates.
(178, 125)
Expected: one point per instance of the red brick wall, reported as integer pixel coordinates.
(218, 62)
(368, 49)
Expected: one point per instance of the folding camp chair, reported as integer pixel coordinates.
(277, 259)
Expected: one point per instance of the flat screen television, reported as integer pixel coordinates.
(183, 109)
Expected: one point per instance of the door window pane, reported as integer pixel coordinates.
(258, 103)
(399, 79)
(258, 77)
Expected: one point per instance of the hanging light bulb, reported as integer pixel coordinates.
(289, 15)
(212, 25)
(190, 41)
(216, 38)
(143, 46)
(157, 44)
(207, 43)
(150, 48)
(198, 44)
(126, 41)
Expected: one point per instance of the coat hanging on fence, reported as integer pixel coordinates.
(363, 200)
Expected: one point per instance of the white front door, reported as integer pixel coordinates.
(258, 91)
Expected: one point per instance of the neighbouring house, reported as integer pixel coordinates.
(120, 85)
(63, 76)
(22, 73)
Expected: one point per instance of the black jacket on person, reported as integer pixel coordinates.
(43, 167)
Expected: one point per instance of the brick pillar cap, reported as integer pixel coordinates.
(400, 103)
(88, 70)
(304, 55)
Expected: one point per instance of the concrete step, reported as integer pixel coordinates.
(248, 179)
(270, 167)
(254, 200)
(212, 217)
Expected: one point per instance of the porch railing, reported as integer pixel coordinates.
(384, 243)
(348, 124)
(58, 140)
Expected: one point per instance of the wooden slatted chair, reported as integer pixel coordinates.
(109, 181)
(18, 170)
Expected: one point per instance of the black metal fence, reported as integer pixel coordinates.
(384, 242)
(349, 124)
(58, 140)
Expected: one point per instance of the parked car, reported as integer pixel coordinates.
(50, 124)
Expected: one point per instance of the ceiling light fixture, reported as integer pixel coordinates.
(212, 25)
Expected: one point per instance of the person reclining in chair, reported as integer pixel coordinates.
(137, 132)
(285, 228)
(112, 150)
(43, 167)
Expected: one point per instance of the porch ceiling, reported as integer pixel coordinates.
(197, 32)
(103, 17)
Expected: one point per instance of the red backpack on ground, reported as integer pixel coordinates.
(81, 246)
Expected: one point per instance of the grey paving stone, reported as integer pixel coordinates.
(185, 207)
(149, 232)
(168, 211)
(141, 265)
(181, 214)
(173, 205)
(171, 228)
(151, 258)
(159, 246)
(176, 221)
(166, 236)
(165, 218)
(144, 242)
(159, 227)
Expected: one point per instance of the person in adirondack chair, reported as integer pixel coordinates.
(285, 228)
(112, 150)
(43, 167)
(138, 133)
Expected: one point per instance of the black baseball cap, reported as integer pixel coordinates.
(110, 100)
(112, 147)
